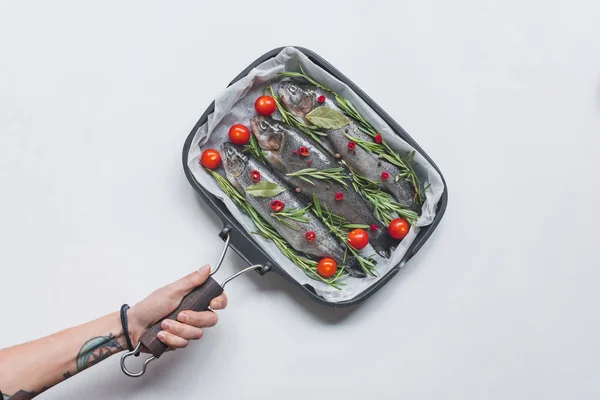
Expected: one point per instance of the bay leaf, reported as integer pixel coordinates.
(264, 189)
(327, 118)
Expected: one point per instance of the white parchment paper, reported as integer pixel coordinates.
(236, 105)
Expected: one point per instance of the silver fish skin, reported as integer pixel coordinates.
(281, 142)
(300, 99)
(238, 167)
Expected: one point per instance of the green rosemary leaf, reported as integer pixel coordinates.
(284, 222)
(253, 148)
(335, 174)
(306, 179)
(317, 206)
(369, 146)
(355, 226)
(365, 130)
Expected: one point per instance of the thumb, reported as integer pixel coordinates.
(189, 282)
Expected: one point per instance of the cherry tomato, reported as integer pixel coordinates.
(239, 134)
(265, 105)
(327, 267)
(210, 158)
(398, 228)
(358, 238)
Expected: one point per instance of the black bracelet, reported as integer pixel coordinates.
(125, 325)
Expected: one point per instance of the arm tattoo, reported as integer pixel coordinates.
(92, 352)
(21, 395)
(96, 350)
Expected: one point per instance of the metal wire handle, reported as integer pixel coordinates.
(144, 366)
(222, 255)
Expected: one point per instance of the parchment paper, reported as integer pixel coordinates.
(236, 105)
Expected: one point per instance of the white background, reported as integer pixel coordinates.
(96, 100)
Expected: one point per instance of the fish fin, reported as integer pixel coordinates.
(236, 184)
(276, 162)
(403, 192)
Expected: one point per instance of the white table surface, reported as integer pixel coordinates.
(96, 100)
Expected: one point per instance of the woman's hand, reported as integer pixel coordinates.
(189, 324)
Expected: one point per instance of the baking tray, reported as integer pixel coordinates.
(245, 245)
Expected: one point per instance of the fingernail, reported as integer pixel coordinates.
(204, 268)
(165, 325)
(183, 317)
(161, 335)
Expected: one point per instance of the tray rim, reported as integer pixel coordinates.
(243, 243)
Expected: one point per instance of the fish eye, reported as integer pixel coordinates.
(263, 125)
(293, 88)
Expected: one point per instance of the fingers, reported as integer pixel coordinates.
(174, 342)
(183, 331)
(177, 334)
(191, 281)
(202, 319)
(219, 303)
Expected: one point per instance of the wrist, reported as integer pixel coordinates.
(135, 328)
(119, 334)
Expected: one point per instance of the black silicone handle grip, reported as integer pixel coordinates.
(197, 300)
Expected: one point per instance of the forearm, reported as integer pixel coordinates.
(30, 368)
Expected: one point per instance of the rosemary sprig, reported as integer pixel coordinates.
(265, 230)
(408, 173)
(329, 174)
(302, 74)
(384, 206)
(254, 149)
(386, 153)
(355, 226)
(295, 121)
(339, 220)
(371, 147)
(335, 224)
(294, 214)
(352, 112)
(384, 150)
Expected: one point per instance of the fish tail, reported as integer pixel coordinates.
(352, 266)
(382, 243)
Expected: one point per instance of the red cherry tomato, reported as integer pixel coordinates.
(239, 134)
(265, 105)
(398, 228)
(210, 158)
(358, 238)
(327, 267)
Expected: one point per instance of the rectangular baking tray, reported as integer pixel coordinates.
(245, 245)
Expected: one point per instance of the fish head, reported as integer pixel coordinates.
(267, 132)
(234, 160)
(298, 98)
